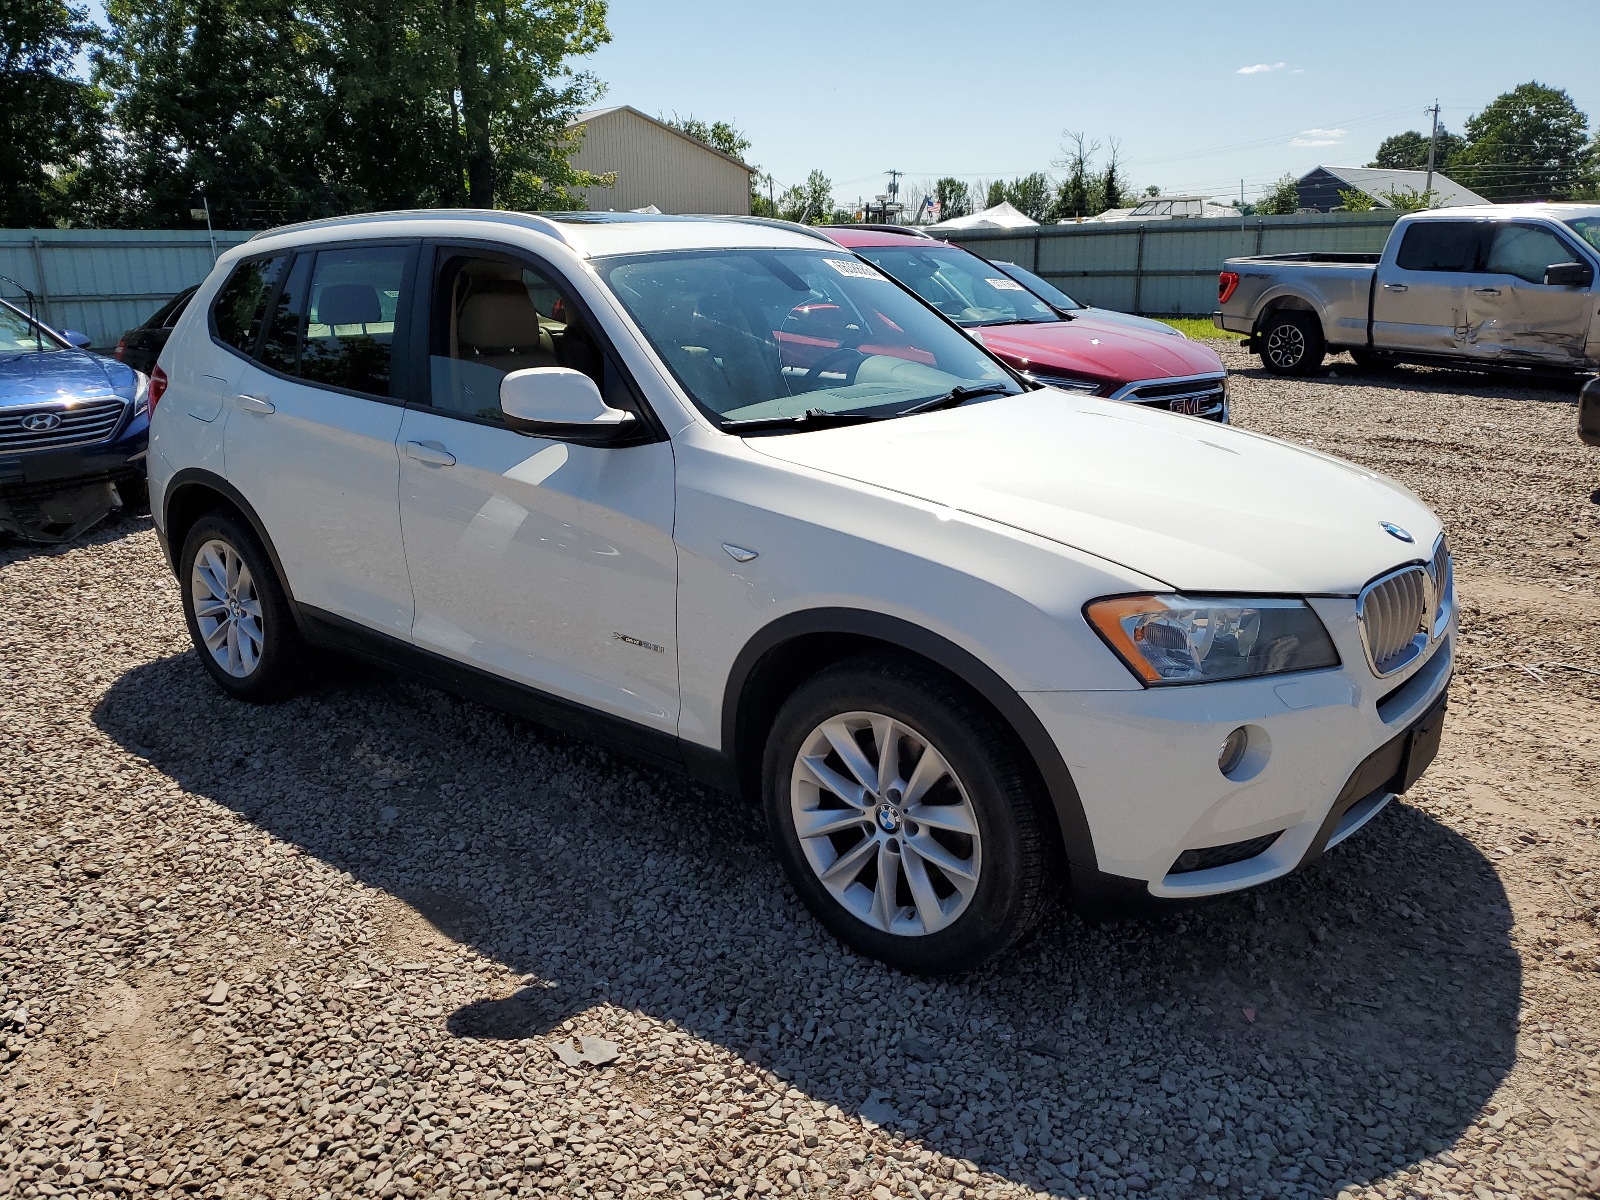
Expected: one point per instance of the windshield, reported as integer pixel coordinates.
(20, 335)
(1039, 286)
(1588, 229)
(960, 285)
(762, 334)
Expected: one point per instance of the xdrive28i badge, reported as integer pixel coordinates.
(1395, 531)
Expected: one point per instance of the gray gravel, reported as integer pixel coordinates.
(332, 946)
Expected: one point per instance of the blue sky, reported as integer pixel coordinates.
(1199, 94)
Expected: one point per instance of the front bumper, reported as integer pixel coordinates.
(1337, 745)
(33, 471)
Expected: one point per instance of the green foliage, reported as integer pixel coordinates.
(1112, 189)
(1029, 195)
(286, 109)
(811, 202)
(1409, 151)
(49, 121)
(954, 197)
(1355, 200)
(719, 135)
(996, 194)
(1199, 327)
(1072, 194)
(1282, 199)
(1408, 199)
(1528, 144)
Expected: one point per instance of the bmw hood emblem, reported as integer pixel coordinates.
(1395, 531)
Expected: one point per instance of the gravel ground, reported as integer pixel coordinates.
(332, 947)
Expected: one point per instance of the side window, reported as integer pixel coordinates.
(1441, 246)
(280, 349)
(352, 301)
(241, 304)
(493, 316)
(1525, 251)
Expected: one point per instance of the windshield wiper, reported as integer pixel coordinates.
(958, 396)
(812, 418)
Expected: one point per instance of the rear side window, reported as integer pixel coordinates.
(1525, 251)
(333, 320)
(1441, 246)
(241, 304)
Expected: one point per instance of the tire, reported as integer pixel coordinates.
(960, 898)
(135, 494)
(1291, 343)
(234, 597)
(1369, 361)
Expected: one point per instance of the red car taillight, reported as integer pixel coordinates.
(1227, 281)
(158, 388)
(121, 346)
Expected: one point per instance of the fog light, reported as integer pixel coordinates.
(1233, 751)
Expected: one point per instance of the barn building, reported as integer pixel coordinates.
(656, 165)
(1319, 189)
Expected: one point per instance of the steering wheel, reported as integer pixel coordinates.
(832, 356)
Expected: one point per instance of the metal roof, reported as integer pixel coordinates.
(1373, 180)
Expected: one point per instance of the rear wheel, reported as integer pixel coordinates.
(1291, 343)
(236, 610)
(903, 815)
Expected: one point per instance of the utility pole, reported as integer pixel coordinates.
(893, 194)
(1433, 142)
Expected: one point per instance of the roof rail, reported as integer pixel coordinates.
(904, 230)
(532, 221)
(772, 222)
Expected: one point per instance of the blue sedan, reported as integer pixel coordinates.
(73, 430)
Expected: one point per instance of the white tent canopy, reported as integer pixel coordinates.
(1001, 216)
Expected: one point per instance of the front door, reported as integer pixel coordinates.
(544, 562)
(311, 425)
(1515, 316)
(1420, 303)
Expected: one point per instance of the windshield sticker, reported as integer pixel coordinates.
(1004, 285)
(852, 268)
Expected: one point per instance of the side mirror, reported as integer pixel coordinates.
(1589, 412)
(79, 341)
(558, 402)
(1568, 274)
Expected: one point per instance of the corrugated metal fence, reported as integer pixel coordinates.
(1167, 267)
(103, 281)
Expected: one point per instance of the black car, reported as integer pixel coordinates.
(142, 345)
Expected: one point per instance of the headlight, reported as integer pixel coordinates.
(1176, 639)
(141, 392)
(1087, 386)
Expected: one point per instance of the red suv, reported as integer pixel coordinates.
(1070, 349)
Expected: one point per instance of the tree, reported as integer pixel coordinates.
(49, 119)
(1111, 189)
(1030, 195)
(1281, 199)
(1528, 144)
(810, 203)
(719, 135)
(996, 194)
(1355, 200)
(954, 198)
(1409, 199)
(1409, 151)
(1077, 159)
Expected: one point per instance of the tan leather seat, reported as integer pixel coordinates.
(499, 327)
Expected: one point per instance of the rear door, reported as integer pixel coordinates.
(1420, 303)
(311, 425)
(1515, 316)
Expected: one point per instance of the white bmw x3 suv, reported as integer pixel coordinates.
(723, 495)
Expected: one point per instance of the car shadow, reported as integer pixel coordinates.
(115, 526)
(1336, 1026)
(1409, 377)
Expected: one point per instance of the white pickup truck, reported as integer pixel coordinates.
(1506, 285)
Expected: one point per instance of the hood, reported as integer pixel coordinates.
(1200, 506)
(61, 375)
(1098, 349)
(1120, 320)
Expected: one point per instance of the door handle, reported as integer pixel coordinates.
(431, 453)
(1486, 291)
(1394, 287)
(255, 404)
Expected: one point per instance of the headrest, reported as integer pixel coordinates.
(498, 319)
(349, 304)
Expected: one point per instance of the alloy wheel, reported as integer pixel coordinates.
(1286, 345)
(226, 608)
(885, 823)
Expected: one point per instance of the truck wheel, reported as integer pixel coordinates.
(904, 817)
(1292, 343)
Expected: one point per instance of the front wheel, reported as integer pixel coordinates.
(903, 815)
(1291, 343)
(236, 610)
